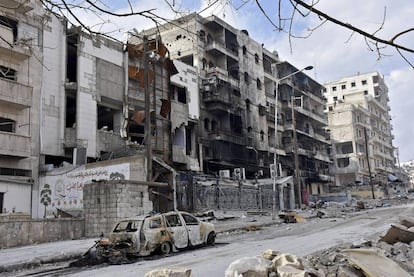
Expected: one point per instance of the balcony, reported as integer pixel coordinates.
(217, 102)
(218, 48)
(312, 115)
(15, 93)
(108, 141)
(9, 48)
(226, 135)
(15, 145)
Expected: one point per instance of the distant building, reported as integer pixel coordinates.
(360, 129)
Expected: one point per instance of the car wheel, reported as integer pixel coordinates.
(211, 238)
(165, 248)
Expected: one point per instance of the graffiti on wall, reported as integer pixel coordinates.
(67, 187)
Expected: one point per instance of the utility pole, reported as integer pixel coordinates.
(148, 135)
(369, 167)
(295, 151)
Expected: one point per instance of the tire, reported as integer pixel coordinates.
(165, 248)
(211, 238)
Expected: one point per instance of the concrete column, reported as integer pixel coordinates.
(292, 196)
(281, 202)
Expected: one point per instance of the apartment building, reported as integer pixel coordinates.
(20, 90)
(238, 79)
(360, 128)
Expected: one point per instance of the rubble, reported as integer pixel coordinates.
(169, 272)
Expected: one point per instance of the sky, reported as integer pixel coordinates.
(333, 51)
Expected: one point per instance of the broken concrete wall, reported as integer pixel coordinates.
(21, 232)
(105, 202)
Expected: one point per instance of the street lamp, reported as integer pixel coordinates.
(274, 173)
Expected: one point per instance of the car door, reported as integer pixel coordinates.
(193, 228)
(176, 229)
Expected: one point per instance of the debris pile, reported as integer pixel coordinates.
(392, 255)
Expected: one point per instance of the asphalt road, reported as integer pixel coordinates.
(300, 239)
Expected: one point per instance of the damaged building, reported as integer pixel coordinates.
(237, 83)
(361, 130)
(20, 89)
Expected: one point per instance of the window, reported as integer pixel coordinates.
(258, 83)
(248, 104)
(366, 92)
(11, 24)
(256, 58)
(189, 219)
(246, 77)
(206, 124)
(204, 63)
(333, 88)
(335, 98)
(343, 86)
(214, 125)
(364, 82)
(7, 125)
(352, 84)
(261, 135)
(155, 223)
(173, 220)
(249, 129)
(127, 226)
(244, 50)
(330, 108)
(8, 73)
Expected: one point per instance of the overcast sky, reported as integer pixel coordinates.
(331, 49)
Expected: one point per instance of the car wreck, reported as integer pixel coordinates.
(160, 233)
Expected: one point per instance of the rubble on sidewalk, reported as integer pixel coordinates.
(403, 232)
(291, 217)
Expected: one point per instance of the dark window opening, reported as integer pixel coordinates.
(9, 23)
(188, 60)
(57, 160)
(105, 118)
(333, 88)
(261, 135)
(256, 58)
(246, 77)
(188, 140)
(248, 104)
(353, 84)
(8, 73)
(70, 111)
(249, 129)
(258, 83)
(72, 57)
(15, 172)
(244, 50)
(7, 125)
(181, 95)
(1, 202)
(364, 82)
(214, 125)
(136, 132)
(204, 63)
(343, 86)
(202, 35)
(335, 98)
(190, 220)
(206, 124)
(236, 123)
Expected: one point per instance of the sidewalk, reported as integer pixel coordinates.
(47, 253)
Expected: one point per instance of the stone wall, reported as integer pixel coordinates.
(19, 232)
(105, 202)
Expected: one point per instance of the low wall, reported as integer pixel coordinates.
(19, 232)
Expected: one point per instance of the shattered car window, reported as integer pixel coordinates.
(127, 226)
(155, 223)
(173, 220)
(190, 220)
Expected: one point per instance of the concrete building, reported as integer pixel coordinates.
(20, 89)
(238, 79)
(360, 128)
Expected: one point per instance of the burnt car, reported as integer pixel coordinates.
(163, 233)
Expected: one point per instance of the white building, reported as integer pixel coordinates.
(358, 114)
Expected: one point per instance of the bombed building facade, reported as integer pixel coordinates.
(238, 82)
(361, 130)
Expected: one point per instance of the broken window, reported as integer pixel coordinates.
(155, 223)
(173, 220)
(8, 73)
(11, 26)
(106, 118)
(190, 220)
(343, 162)
(236, 123)
(7, 125)
(188, 139)
(344, 148)
(202, 35)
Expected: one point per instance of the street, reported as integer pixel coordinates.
(300, 239)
